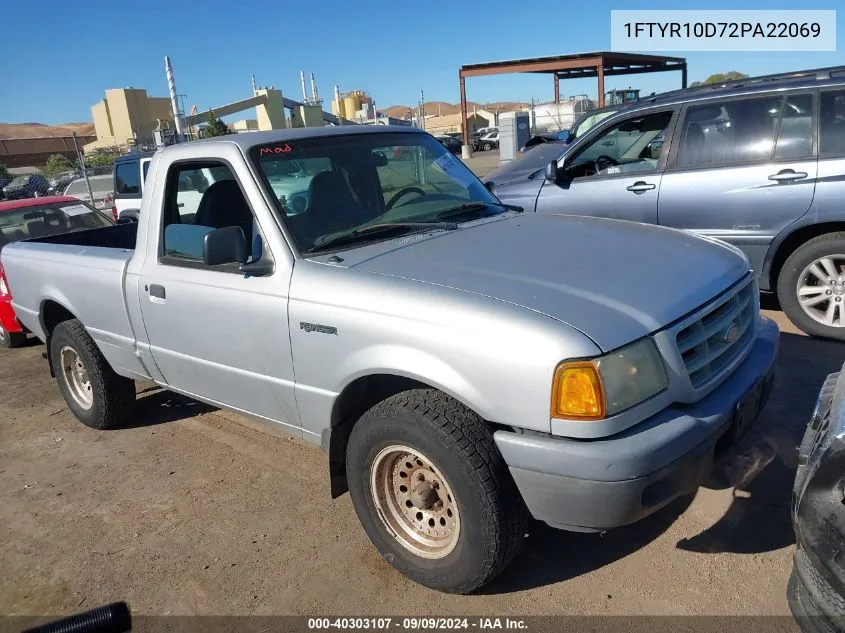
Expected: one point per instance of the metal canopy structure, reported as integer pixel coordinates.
(601, 64)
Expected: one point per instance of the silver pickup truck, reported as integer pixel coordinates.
(464, 365)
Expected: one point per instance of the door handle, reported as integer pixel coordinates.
(607, 143)
(157, 291)
(640, 187)
(787, 175)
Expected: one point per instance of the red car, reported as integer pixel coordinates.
(37, 217)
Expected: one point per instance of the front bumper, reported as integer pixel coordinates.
(593, 485)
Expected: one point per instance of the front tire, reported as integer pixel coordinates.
(96, 395)
(11, 339)
(486, 147)
(811, 287)
(432, 491)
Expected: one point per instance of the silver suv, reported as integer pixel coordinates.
(759, 163)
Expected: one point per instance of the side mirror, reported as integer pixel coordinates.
(552, 171)
(564, 135)
(224, 246)
(490, 186)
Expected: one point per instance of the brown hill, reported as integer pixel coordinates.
(33, 130)
(441, 107)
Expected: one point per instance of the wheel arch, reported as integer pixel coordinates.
(789, 243)
(357, 397)
(50, 314)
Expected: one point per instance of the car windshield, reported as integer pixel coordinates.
(18, 181)
(49, 219)
(347, 184)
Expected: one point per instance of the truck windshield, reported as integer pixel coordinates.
(327, 187)
(49, 219)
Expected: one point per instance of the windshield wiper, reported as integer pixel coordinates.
(467, 207)
(366, 232)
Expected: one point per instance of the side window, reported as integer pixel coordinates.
(739, 131)
(631, 145)
(126, 179)
(795, 136)
(832, 123)
(199, 198)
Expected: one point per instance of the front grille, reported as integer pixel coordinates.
(719, 336)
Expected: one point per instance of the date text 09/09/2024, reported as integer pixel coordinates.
(417, 623)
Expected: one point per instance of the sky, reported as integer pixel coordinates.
(58, 67)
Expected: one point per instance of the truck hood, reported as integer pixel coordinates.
(615, 281)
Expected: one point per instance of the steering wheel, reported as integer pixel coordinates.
(604, 161)
(399, 194)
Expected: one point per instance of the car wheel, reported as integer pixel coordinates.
(11, 339)
(96, 395)
(811, 286)
(486, 147)
(432, 491)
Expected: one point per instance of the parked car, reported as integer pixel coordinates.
(462, 363)
(26, 186)
(488, 141)
(101, 189)
(451, 143)
(129, 173)
(3, 183)
(816, 589)
(59, 182)
(37, 217)
(738, 163)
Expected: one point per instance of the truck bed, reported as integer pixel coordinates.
(117, 236)
(84, 272)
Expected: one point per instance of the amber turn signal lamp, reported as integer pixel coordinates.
(577, 392)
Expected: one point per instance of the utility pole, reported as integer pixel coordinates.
(82, 165)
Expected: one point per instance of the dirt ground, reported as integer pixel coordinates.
(195, 511)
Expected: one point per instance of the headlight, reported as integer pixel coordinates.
(604, 386)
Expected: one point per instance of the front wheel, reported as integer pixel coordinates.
(96, 395)
(811, 286)
(486, 147)
(432, 491)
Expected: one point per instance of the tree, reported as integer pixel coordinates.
(100, 159)
(719, 78)
(56, 164)
(4, 173)
(214, 127)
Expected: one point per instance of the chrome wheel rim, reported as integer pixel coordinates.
(2, 335)
(76, 378)
(415, 502)
(821, 291)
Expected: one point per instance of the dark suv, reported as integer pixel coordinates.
(758, 163)
(26, 186)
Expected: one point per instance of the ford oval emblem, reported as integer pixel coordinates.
(731, 333)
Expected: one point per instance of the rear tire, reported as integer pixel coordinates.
(96, 395)
(812, 298)
(461, 520)
(11, 339)
(486, 147)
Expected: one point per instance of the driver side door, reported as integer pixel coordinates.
(625, 187)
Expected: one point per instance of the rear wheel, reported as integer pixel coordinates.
(811, 286)
(432, 491)
(486, 147)
(96, 395)
(11, 339)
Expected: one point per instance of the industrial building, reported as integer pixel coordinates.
(127, 117)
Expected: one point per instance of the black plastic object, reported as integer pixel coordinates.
(111, 618)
